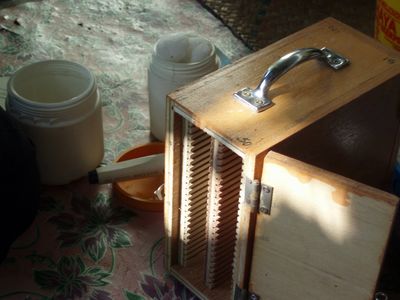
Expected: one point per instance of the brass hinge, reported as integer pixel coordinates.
(242, 294)
(258, 196)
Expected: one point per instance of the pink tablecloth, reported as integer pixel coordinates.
(82, 245)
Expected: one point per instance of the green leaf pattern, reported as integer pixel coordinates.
(132, 296)
(71, 279)
(95, 247)
(94, 226)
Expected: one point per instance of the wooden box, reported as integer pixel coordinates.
(290, 202)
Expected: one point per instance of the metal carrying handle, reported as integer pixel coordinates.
(258, 99)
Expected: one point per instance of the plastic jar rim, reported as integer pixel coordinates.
(185, 64)
(58, 105)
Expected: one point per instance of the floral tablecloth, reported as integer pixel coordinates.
(82, 245)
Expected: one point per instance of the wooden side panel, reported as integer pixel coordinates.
(173, 161)
(325, 238)
(252, 168)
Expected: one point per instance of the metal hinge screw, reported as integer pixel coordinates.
(246, 93)
(381, 296)
(266, 189)
(265, 199)
(253, 297)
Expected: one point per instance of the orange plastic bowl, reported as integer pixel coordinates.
(139, 193)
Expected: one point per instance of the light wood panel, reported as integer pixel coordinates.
(326, 235)
(173, 173)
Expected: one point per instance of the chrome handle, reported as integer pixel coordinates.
(258, 99)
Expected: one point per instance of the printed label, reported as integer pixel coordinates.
(387, 23)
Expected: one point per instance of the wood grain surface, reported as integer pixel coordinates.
(302, 96)
(326, 236)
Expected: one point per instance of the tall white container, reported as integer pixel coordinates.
(57, 104)
(166, 75)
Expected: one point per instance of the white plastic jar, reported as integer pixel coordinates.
(57, 104)
(166, 75)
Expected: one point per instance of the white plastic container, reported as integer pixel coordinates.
(58, 106)
(165, 76)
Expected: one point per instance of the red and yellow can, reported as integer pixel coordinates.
(387, 22)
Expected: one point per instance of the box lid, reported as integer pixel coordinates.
(302, 96)
(324, 236)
